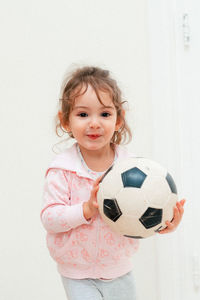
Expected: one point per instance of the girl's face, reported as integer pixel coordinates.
(91, 123)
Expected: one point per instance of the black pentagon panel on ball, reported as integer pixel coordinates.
(133, 178)
(151, 217)
(171, 183)
(111, 209)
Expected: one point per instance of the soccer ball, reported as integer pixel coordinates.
(136, 196)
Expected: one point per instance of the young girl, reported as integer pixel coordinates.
(94, 262)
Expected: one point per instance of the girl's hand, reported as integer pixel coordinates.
(178, 213)
(90, 208)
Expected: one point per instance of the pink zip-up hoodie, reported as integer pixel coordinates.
(81, 249)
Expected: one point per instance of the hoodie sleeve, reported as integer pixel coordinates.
(57, 215)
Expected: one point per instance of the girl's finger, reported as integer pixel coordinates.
(181, 209)
(97, 181)
(170, 225)
(176, 214)
(183, 202)
(96, 205)
(94, 191)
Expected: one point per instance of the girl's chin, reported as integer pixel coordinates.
(93, 146)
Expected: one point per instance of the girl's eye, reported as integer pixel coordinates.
(82, 115)
(105, 114)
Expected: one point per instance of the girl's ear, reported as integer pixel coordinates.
(62, 122)
(120, 120)
(60, 116)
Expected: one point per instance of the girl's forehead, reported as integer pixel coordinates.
(88, 95)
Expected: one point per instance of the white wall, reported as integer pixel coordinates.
(39, 39)
(175, 73)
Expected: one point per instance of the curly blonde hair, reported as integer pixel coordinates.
(100, 80)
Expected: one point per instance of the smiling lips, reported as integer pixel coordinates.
(93, 136)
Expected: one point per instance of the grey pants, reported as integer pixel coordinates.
(121, 288)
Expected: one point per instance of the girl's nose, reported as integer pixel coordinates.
(94, 123)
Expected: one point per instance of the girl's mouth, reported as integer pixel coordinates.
(93, 136)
